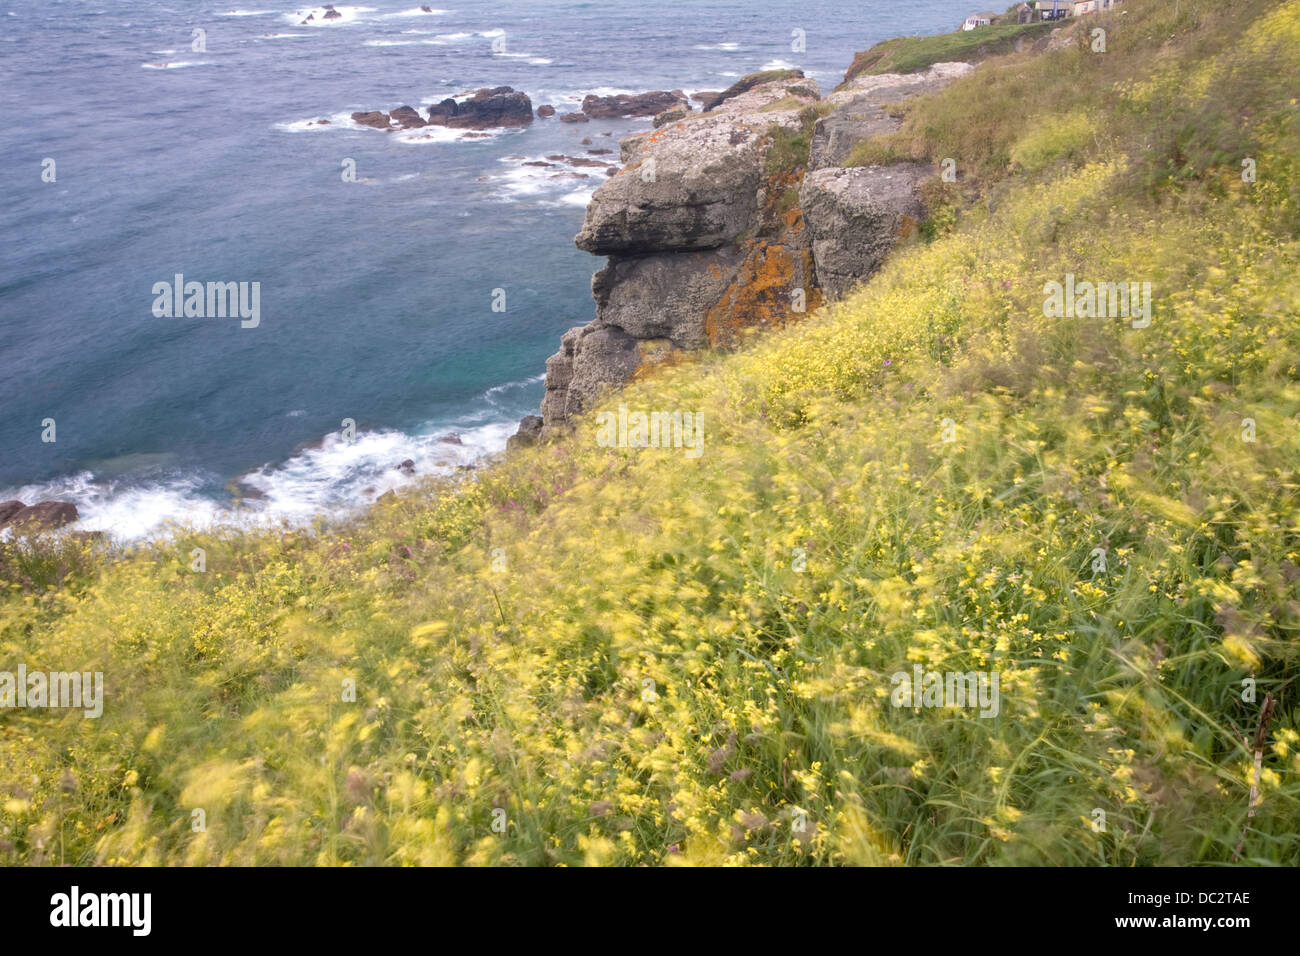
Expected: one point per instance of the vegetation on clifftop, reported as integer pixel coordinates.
(913, 54)
(633, 656)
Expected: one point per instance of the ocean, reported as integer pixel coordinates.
(411, 283)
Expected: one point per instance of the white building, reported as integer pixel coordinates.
(978, 20)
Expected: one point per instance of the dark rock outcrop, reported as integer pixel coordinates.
(243, 491)
(632, 104)
(42, 516)
(407, 117)
(574, 118)
(485, 109)
(8, 509)
(545, 111)
(530, 430)
(376, 119)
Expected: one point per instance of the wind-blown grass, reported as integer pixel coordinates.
(627, 656)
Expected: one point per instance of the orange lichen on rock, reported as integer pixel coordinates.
(771, 284)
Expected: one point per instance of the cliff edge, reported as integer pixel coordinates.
(736, 218)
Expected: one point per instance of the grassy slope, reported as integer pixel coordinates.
(641, 674)
(913, 54)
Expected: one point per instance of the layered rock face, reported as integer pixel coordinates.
(738, 217)
(861, 109)
(856, 215)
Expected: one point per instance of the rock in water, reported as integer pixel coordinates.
(574, 118)
(44, 515)
(8, 509)
(636, 104)
(407, 117)
(485, 109)
(547, 110)
(376, 119)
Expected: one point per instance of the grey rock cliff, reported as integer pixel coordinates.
(704, 236)
(856, 215)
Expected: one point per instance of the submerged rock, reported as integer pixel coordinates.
(244, 491)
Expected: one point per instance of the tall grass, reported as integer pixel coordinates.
(622, 656)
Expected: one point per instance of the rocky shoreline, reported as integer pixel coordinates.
(740, 216)
(41, 516)
(504, 106)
